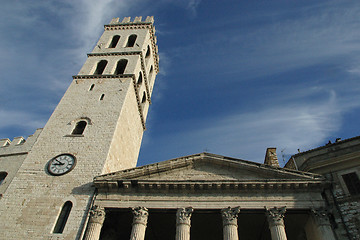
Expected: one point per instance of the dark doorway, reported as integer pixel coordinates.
(161, 224)
(117, 224)
(252, 225)
(206, 224)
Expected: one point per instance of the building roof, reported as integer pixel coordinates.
(338, 142)
(210, 171)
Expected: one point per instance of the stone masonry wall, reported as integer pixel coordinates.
(349, 207)
(12, 155)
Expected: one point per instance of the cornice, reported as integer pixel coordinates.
(339, 143)
(226, 185)
(128, 25)
(13, 154)
(111, 76)
(102, 54)
(314, 163)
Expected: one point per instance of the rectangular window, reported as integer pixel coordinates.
(352, 183)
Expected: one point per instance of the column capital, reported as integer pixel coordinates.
(229, 215)
(275, 216)
(97, 215)
(140, 215)
(183, 215)
(320, 216)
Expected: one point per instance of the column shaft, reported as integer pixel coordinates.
(230, 232)
(93, 232)
(182, 232)
(278, 232)
(138, 232)
(97, 217)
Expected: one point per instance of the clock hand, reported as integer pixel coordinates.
(58, 162)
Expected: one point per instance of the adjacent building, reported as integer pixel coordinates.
(339, 163)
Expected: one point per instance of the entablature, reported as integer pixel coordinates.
(195, 186)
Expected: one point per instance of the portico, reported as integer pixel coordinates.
(208, 196)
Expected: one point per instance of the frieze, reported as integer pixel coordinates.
(150, 185)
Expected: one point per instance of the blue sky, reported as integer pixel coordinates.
(235, 77)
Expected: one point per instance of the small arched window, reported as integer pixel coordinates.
(63, 217)
(143, 98)
(131, 40)
(147, 55)
(91, 87)
(100, 67)
(140, 79)
(102, 97)
(79, 128)
(150, 74)
(2, 176)
(120, 67)
(114, 41)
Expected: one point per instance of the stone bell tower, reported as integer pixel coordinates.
(96, 128)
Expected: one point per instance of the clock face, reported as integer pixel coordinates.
(61, 164)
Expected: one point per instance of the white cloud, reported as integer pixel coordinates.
(88, 18)
(11, 118)
(193, 5)
(43, 44)
(246, 135)
(325, 34)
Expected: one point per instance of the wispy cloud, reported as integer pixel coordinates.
(193, 5)
(281, 44)
(27, 121)
(42, 45)
(91, 15)
(243, 135)
(288, 126)
(307, 57)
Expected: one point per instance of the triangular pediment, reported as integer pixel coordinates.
(207, 167)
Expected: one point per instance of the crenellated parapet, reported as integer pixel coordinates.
(137, 20)
(19, 145)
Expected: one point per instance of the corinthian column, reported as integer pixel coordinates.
(230, 226)
(97, 217)
(323, 226)
(139, 223)
(183, 216)
(275, 217)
